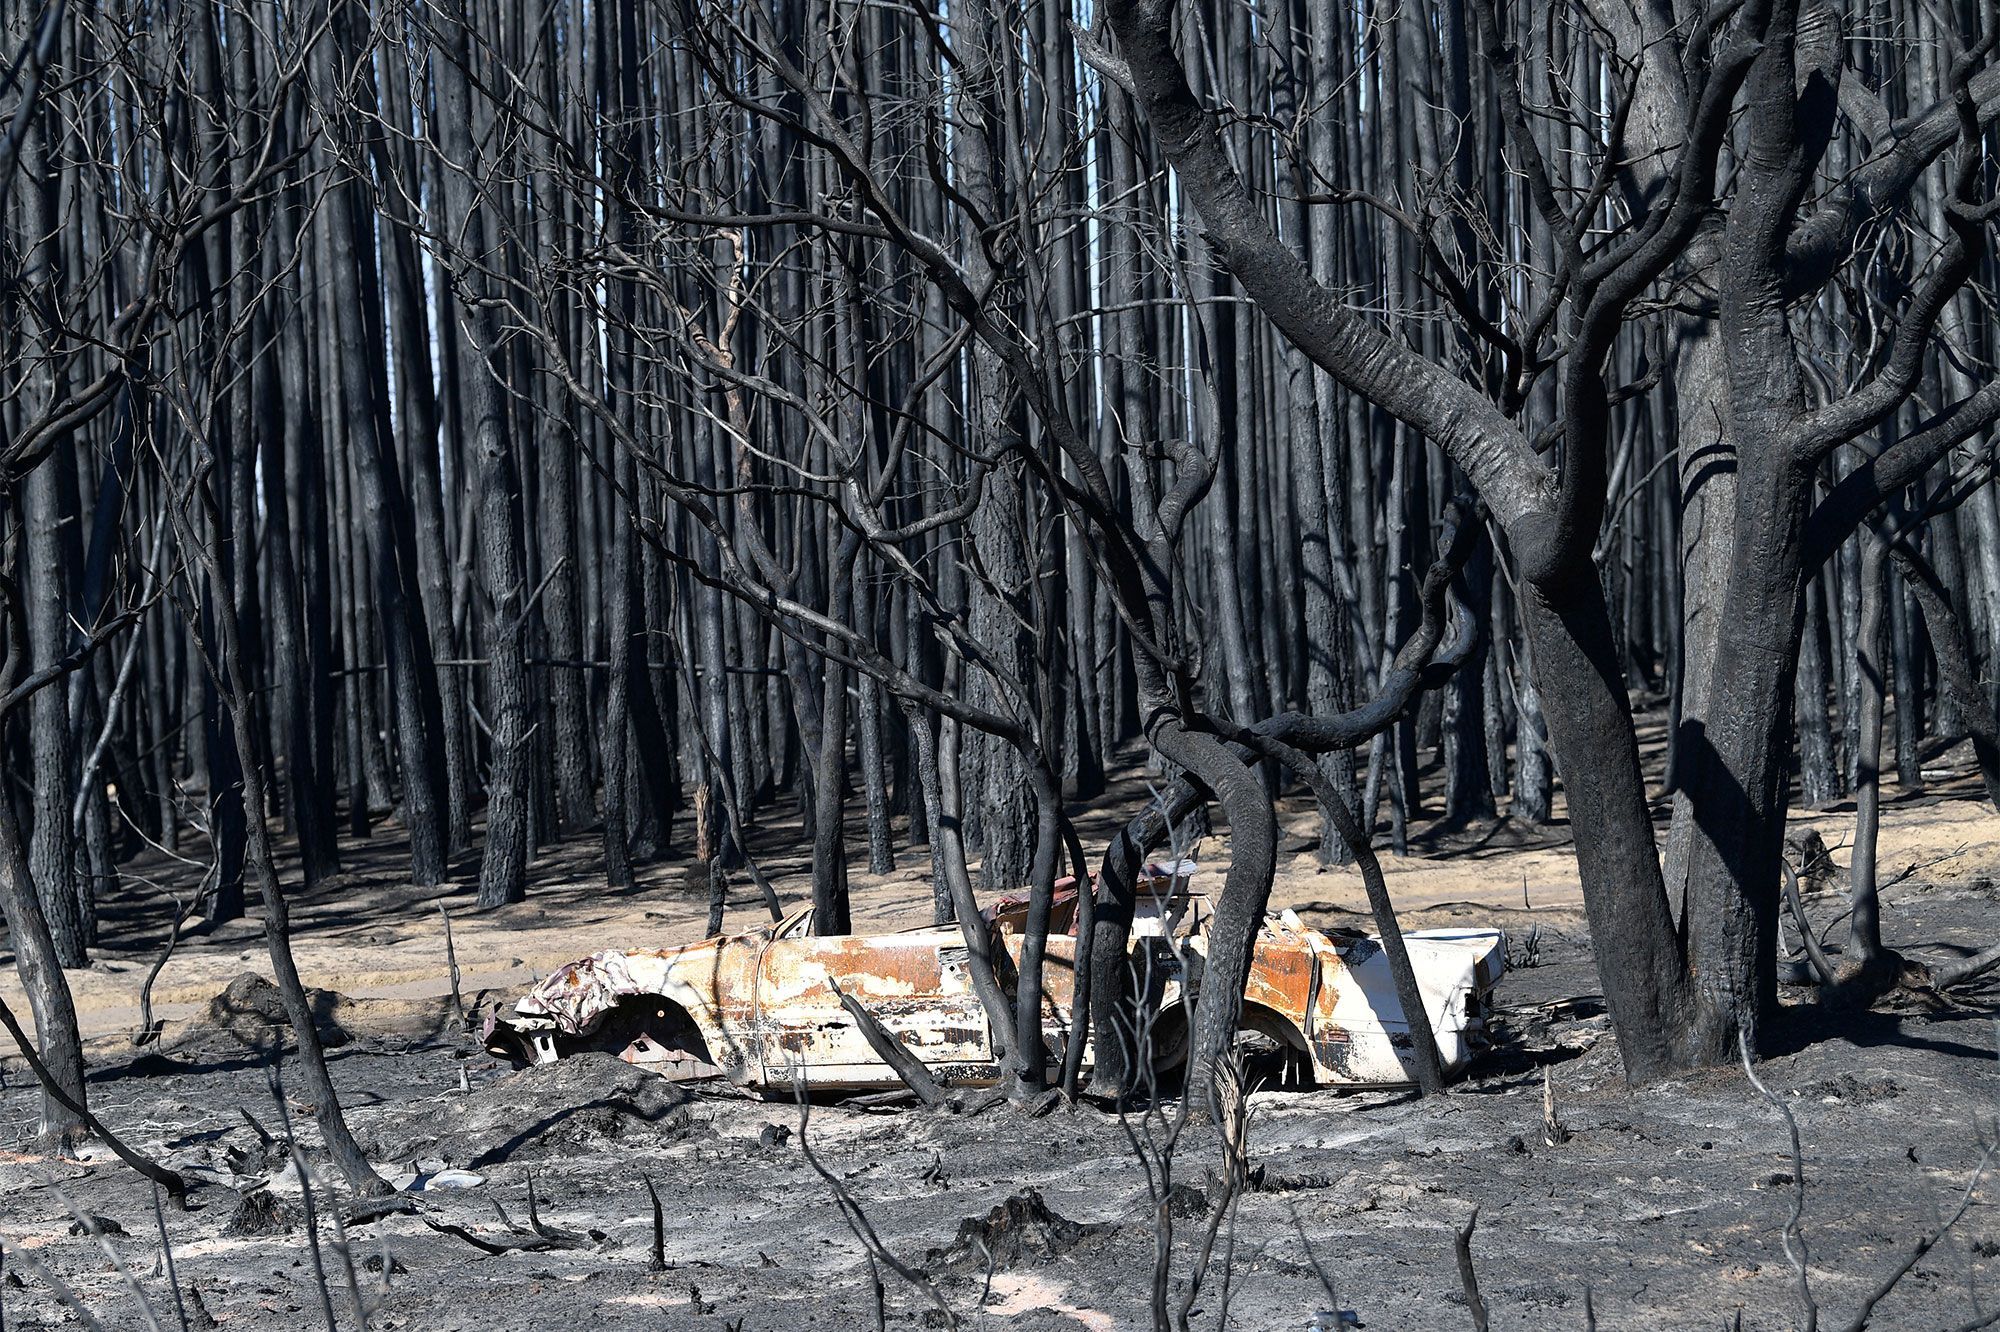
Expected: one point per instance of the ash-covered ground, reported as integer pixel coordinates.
(1665, 1206)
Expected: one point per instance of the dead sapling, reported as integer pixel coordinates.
(1468, 1275)
(167, 1260)
(309, 1206)
(657, 1260)
(149, 1029)
(864, 1230)
(1153, 1134)
(451, 965)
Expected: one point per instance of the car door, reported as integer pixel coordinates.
(913, 983)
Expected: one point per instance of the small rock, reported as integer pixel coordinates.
(774, 1135)
(252, 1011)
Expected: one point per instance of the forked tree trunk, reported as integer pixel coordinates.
(1246, 892)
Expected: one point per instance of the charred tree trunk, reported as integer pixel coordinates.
(503, 867)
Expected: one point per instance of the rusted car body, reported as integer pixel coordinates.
(761, 1008)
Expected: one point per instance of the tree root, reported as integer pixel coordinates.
(1854, 983)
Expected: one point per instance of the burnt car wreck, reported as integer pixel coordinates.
(763, 1009)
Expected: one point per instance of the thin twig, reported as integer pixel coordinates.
(167, 1260)
(1923, 1245)
(858, 1222)
(56, 1284)
(1795, 1240)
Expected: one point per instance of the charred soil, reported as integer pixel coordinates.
(1666, 1204)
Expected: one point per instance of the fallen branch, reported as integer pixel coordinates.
(1965, 969)
(364, 1210)
(568, 1239)
(892, 1052)
(537, 1236)
(175, 1186)
(520, 1242)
